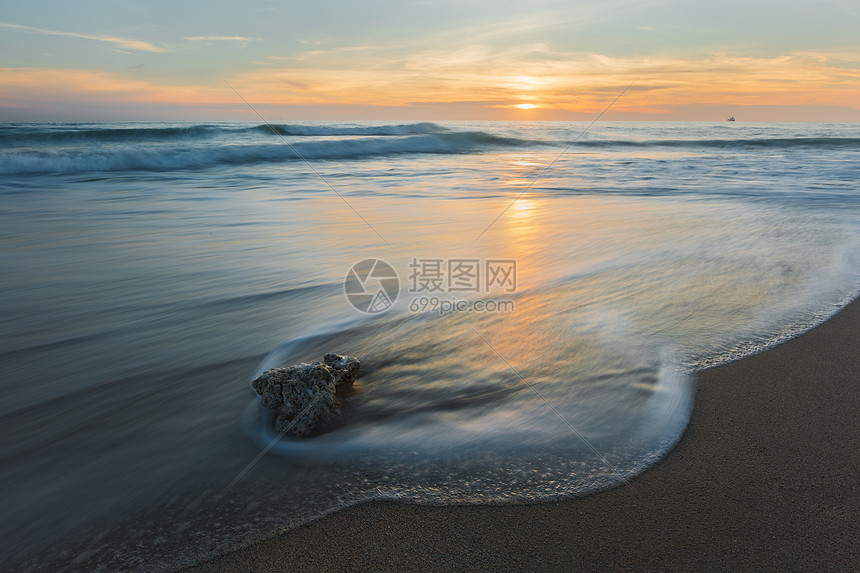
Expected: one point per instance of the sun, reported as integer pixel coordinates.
(526, 106)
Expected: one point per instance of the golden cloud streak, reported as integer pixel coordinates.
(37, 84)
(556, 80)
(221, 39)
(532, 74)
(121, 42)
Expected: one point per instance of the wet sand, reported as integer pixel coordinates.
(766, 477)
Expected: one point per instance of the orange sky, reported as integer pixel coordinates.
(443, 74)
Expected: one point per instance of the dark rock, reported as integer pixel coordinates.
(303, 395)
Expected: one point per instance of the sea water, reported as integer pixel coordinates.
(151, 270)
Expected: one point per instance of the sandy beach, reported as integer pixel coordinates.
(766, 477)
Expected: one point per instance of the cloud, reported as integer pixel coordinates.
(121, 42)
(552, 79)
(34, 85)
(474, 81)
(221, 39)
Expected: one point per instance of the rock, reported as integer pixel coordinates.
(303, 395)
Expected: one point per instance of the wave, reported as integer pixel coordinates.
(39, 135)
(764, 142)
(172, 157)
(63, 148)
(325, 130)
(87, 133)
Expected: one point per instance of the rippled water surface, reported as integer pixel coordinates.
(151, 271)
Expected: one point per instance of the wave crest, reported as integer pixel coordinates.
(174, 157)
(326, 130)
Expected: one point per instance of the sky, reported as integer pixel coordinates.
(89, 60)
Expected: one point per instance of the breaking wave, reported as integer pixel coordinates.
(83, 134)
(323, 130)
(39, 134)
(178, 157)
(64, 148)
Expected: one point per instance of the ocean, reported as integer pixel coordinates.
(556, 289)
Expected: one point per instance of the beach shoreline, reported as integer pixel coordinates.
(765, 477)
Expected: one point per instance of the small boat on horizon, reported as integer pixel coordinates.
(731, 118)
